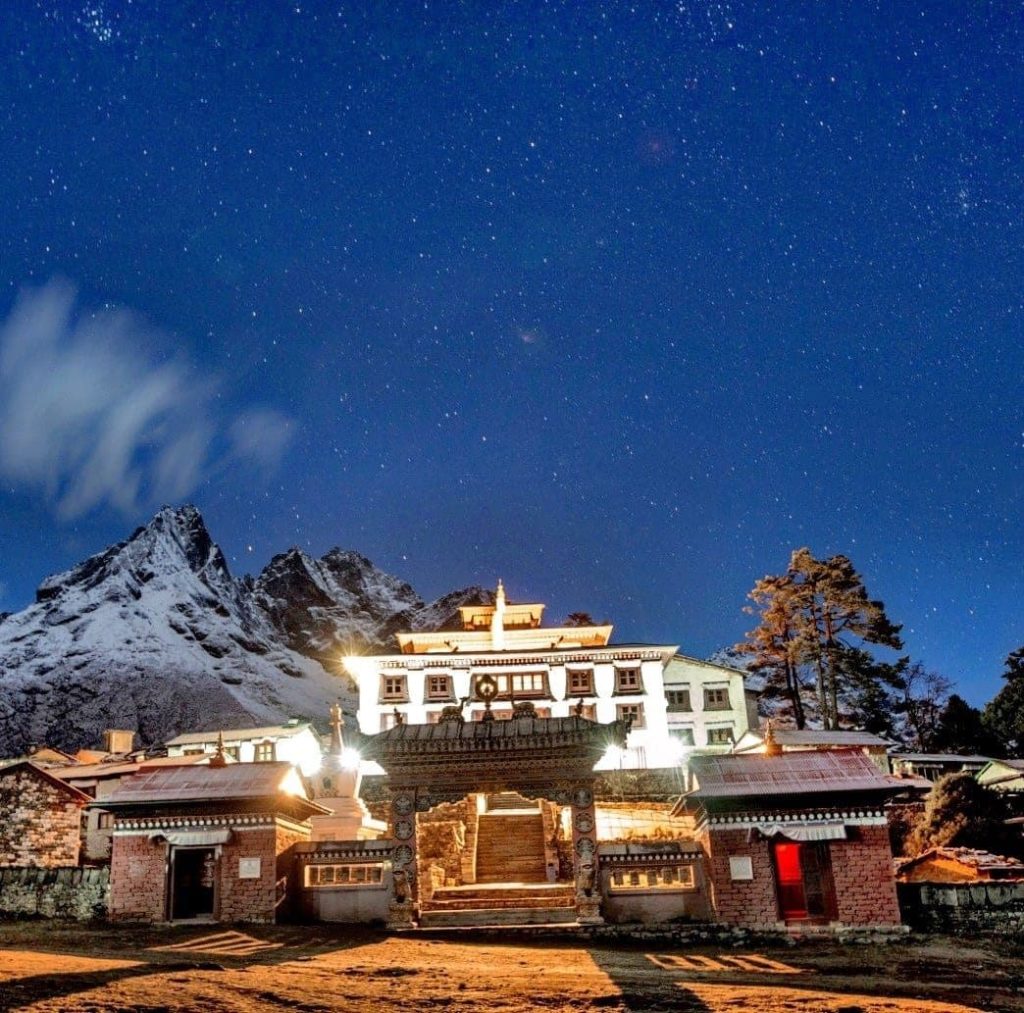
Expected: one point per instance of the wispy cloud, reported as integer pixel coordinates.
(91, 414)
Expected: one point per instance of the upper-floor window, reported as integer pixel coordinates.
(684, 736)
(721, 736)
(716, 698)
(678, 699)
(232, 752)
(581, 682)
(105, 820)
(393, 687)
(627, 680)
(633, 712)
(439, 687)
(388, 720)
(520, 685)
(264, 752)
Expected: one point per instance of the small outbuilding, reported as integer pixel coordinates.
(206, 843)
(958, 865)
(795, 839)
(40, 817)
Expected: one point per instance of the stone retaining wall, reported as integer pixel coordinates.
(963, 909)
(79, 894)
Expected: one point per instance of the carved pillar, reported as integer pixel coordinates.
(402, 826)
(584, 855)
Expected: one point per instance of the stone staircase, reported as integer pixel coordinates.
(510, 848)
(507, 904)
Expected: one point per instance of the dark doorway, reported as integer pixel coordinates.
(803, 875)
(193, 883)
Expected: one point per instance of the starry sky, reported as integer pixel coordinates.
(621, 302)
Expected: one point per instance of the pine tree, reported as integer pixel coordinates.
(1004, 714)
(961, 729)
(775, 644)
(814, 622)
(838, 610)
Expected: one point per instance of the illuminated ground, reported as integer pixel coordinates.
(318, 970)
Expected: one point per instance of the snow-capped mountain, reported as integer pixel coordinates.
(155, 634)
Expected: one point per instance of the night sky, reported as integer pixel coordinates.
(619, 302)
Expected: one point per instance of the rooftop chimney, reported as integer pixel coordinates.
(118, 741)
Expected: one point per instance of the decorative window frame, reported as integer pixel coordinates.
(709, 706)
(447, 695)
(668, 877)
(639, 721)
(685, 707)
(629, 680)
(396, 695)
(356, 876)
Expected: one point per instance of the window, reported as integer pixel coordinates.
(633, 712)
(105, 821)
(662, 877)
(716, 698)
(439, 687)
(194, 751)
(264, 752)
(362, 874)
(684, 736)
(232, 752)
(678, 699)
(388, 720)
(589, 711)
(521, 685)
(581, 682)
(393, 687)
(721, 736)
(627, 680)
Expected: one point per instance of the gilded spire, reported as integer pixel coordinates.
(771, 747)
(219, 759)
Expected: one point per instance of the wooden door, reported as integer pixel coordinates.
(803, 875)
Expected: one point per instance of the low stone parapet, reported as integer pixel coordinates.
(964, 909)
(77, 894)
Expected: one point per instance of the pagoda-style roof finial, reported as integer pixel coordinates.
(771, 746)
(219, 758)
(499, 595)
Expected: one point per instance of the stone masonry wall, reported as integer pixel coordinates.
(964, 909)
(79, 894)
(40, 825)
(863, 875)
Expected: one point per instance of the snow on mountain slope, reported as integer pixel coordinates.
(155, 634)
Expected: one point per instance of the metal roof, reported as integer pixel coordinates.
(821, 737)
(123, 768)
(239, 734)
(238, 781)
(808, 772)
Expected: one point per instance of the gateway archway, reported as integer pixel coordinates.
(537, 759)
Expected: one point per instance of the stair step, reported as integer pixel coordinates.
(492, 916)
(484, 894)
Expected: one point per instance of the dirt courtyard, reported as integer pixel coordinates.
(319, 969)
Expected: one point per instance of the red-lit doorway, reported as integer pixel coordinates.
(803, 875)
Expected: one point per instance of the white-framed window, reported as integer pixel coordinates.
(439, 687)
(678, 700)
(633, 712)
(345, 875)
(716, 698)
(580, 682)
(660, 877)
(627, 680)
(720, 735)
(393, 687)
(521, 685)
(264, 752)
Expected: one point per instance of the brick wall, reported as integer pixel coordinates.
(139, 884)
(747, 903)
(861, 870)
(138, 879)
(964, 909)
(39, 823)
(863, 874)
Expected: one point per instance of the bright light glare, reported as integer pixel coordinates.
(350, 758)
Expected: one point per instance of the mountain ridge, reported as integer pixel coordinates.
(154, 633)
